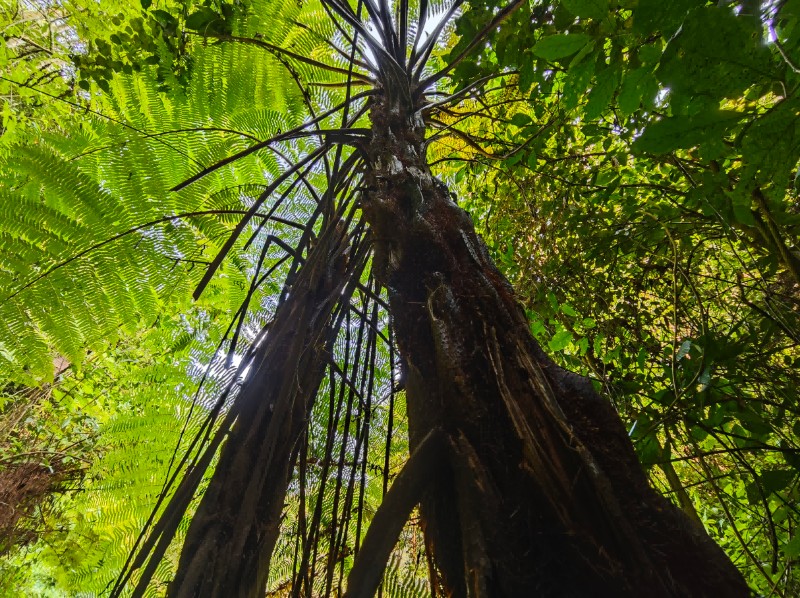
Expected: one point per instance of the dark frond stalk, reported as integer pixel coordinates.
(422, 18)
(501, 16)
(390, 41)
(420, 55)
(406, 491)
(402, 21)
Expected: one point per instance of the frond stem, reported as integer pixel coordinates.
(277, 138)
(501, 16)
(130, 231)
(277, 50)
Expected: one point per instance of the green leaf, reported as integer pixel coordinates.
(698, 433)
(146, 4)
(560, 45)
(568, 310)
(514, 159)
(792, 548)
(677, 132)
(649, 449)
(657, 15)
(755, 424)
(165, 19)
(537, 328)
(650, 54)
(743, 213)
(716, 53)
(641, 358)
(587, 9)
(560, 340)
(520, 119)
(602, 92)
(584, 52)
(776, 480)
(638, 85)
(201, 19)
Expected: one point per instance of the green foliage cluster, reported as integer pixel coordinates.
(40, 43)
(120, 418)
(642, 197)
(91, 207)
(96, 250)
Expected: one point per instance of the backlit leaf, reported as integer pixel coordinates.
(561, 45)
(678, 132)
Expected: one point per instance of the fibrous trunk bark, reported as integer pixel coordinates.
(543, 494)
(231, 537)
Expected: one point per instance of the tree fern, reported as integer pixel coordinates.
(523, 474)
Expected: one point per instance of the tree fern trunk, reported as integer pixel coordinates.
(232, 535)
(543, 495)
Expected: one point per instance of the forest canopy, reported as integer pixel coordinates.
(199, 248)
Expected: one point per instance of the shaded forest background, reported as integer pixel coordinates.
(632, 167)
